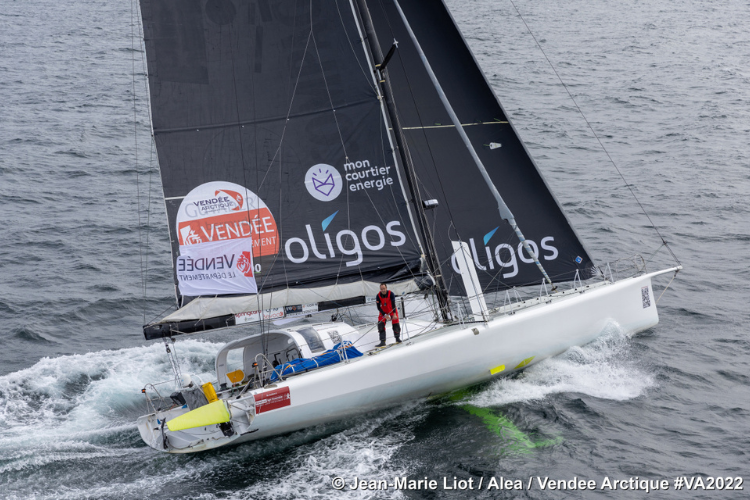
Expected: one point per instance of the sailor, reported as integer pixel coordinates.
(386, 302)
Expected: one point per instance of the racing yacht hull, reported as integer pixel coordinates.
(443, 360)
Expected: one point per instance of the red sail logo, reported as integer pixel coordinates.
(245, 264)
(235, 196)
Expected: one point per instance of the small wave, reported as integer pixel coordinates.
(5, 308)
(73, 152)
(15, 199)
(74, 174)
(29, 335)
(602, 369)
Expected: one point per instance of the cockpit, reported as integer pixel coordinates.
(242, 360)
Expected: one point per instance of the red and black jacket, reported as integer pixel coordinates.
(387, 304)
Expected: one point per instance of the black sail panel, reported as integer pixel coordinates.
(467, 210)
(274, 156)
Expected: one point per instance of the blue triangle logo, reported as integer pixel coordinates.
(328, 220)
(489, 235)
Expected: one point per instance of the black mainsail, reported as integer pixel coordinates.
(281, 182)
(277, 169)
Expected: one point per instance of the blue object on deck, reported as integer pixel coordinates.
(330, 357)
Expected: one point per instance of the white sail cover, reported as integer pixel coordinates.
(254, 306)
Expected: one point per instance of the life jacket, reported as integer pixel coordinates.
(387, 305)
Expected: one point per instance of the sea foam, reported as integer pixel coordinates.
(603, 369)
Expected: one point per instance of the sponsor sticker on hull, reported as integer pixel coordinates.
(252, 316)
(272, 400)
(645, 297)
(300, 310)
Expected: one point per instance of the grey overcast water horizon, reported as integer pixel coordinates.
(666, 86)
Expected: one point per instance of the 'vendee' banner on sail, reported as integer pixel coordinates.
(219, 226)
(274, 153)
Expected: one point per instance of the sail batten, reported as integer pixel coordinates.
(426, 127)
(259, 121)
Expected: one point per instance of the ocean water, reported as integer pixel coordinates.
(665, 85)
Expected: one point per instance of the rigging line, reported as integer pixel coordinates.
(382, 221)
(653, 254)
(280, 227)
(428, 245)
(261, 182)
(595, 135)
(349, 226)
(666, 287)
(341, 138)
(429, 249)
(422, 126)
(152, 149)
(395, 199)
(257, 195)
(280, 223)
(239, 132)
(278, 151)
(343, 25)
(325, 81)
(259, 121)
(144, 65)
(291, 103)
(416, 243)
(135, 139)
(142, 48)
(160, 315)
(148, 221)
(377, 211)
(244, 178)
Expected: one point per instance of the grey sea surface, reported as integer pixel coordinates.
(666, 86)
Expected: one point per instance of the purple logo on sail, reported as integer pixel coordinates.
(325, 186)
(323, 182)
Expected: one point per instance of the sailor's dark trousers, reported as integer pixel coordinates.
(396, 327)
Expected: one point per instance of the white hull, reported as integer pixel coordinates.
(441, 361)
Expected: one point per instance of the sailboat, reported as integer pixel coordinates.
(313, 150)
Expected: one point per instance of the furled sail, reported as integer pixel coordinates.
(280, 183)
(467, 211)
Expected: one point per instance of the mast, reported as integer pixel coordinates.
(431, 258)
(505, 212)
